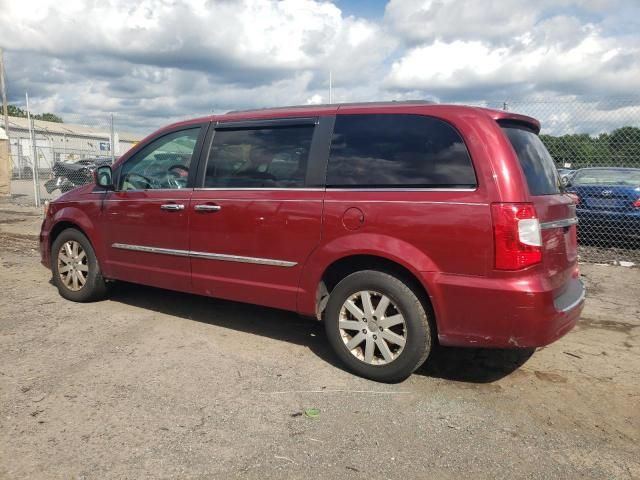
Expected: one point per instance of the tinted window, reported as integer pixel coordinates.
(397, 151)
(259, 158)
(164, 163)
(535, 160)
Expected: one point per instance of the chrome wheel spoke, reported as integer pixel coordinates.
(384, 349)
(74, 276)
(391, 321)
(349, 325)
(67, 249)
(369, 348)
(64, 258)
(81, 256)
(355, 341)
(382, 306)
(81, 278)
(366, 303)
(65, 268)
(393, 338)
(355, 311)
(83, 267)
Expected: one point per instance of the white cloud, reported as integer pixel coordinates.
(153, 61)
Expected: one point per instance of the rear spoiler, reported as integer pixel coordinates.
(504, 117)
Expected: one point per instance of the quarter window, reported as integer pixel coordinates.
(273, 157)
(397, 151)
(162, 164)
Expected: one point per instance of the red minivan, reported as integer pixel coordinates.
(398, 224)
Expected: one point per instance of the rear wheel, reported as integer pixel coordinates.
(75, 268)
(378, 326)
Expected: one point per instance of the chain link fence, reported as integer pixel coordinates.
(596, 147)
(50, 158)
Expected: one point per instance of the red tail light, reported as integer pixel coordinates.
(637, 203)
(517, 237)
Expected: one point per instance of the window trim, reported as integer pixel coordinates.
(195, 156)
(404, 187)
(315, 170)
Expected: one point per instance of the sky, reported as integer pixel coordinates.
(575, 63)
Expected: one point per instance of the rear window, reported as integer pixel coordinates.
(395, 151)
(535, 160)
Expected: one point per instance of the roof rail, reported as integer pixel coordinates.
(348, 104)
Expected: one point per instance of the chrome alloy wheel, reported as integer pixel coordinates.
(372, 327)
(73, 266)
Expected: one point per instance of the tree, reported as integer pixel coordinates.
(47, 117)
(616, 149)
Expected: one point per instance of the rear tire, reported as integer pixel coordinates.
(393, 335)
(75, 268)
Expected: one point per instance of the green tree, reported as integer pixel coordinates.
(18, 112)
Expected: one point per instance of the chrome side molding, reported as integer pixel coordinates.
(566, 222)
(205, 255)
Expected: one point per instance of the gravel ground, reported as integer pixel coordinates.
(156, 384)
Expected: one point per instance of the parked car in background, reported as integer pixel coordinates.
(69, 175)
(566, 175)
(400, 225)
(608, 201)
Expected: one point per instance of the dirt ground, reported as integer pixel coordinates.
(155, 384)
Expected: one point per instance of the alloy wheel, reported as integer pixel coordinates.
(372, 327)
(73, 266)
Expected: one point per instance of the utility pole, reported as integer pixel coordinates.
(6, 166)
(5, 108)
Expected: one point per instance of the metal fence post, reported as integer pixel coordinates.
(36, 184)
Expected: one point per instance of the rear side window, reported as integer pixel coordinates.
(535, 160)
(393, 150)
(259, 158)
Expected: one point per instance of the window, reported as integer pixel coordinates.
(397, 151)
(164, 163)
(274, 157)
(535, 160)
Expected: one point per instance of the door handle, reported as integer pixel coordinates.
(172, 206)
(207, 208)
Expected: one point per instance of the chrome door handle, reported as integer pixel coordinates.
(207, 208)
(172, 206)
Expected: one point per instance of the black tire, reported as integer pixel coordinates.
(417, 322)
(95, 287)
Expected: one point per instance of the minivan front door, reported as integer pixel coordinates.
(258, 216)
(145, 221)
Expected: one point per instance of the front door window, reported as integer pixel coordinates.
(163, 164)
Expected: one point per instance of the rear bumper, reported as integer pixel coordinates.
(484, 312)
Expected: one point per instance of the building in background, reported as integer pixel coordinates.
(62, 142)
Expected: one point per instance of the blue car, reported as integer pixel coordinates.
(608, 202)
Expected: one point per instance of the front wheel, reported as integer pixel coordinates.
(75, 268)
(378, 326)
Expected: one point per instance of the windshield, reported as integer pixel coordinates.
(608, 176)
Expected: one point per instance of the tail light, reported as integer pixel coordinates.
(516, 230)
(637, 203)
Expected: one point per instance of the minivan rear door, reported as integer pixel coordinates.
(556, 211)
(256, 216)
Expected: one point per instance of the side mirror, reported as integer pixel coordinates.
(104, 177)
